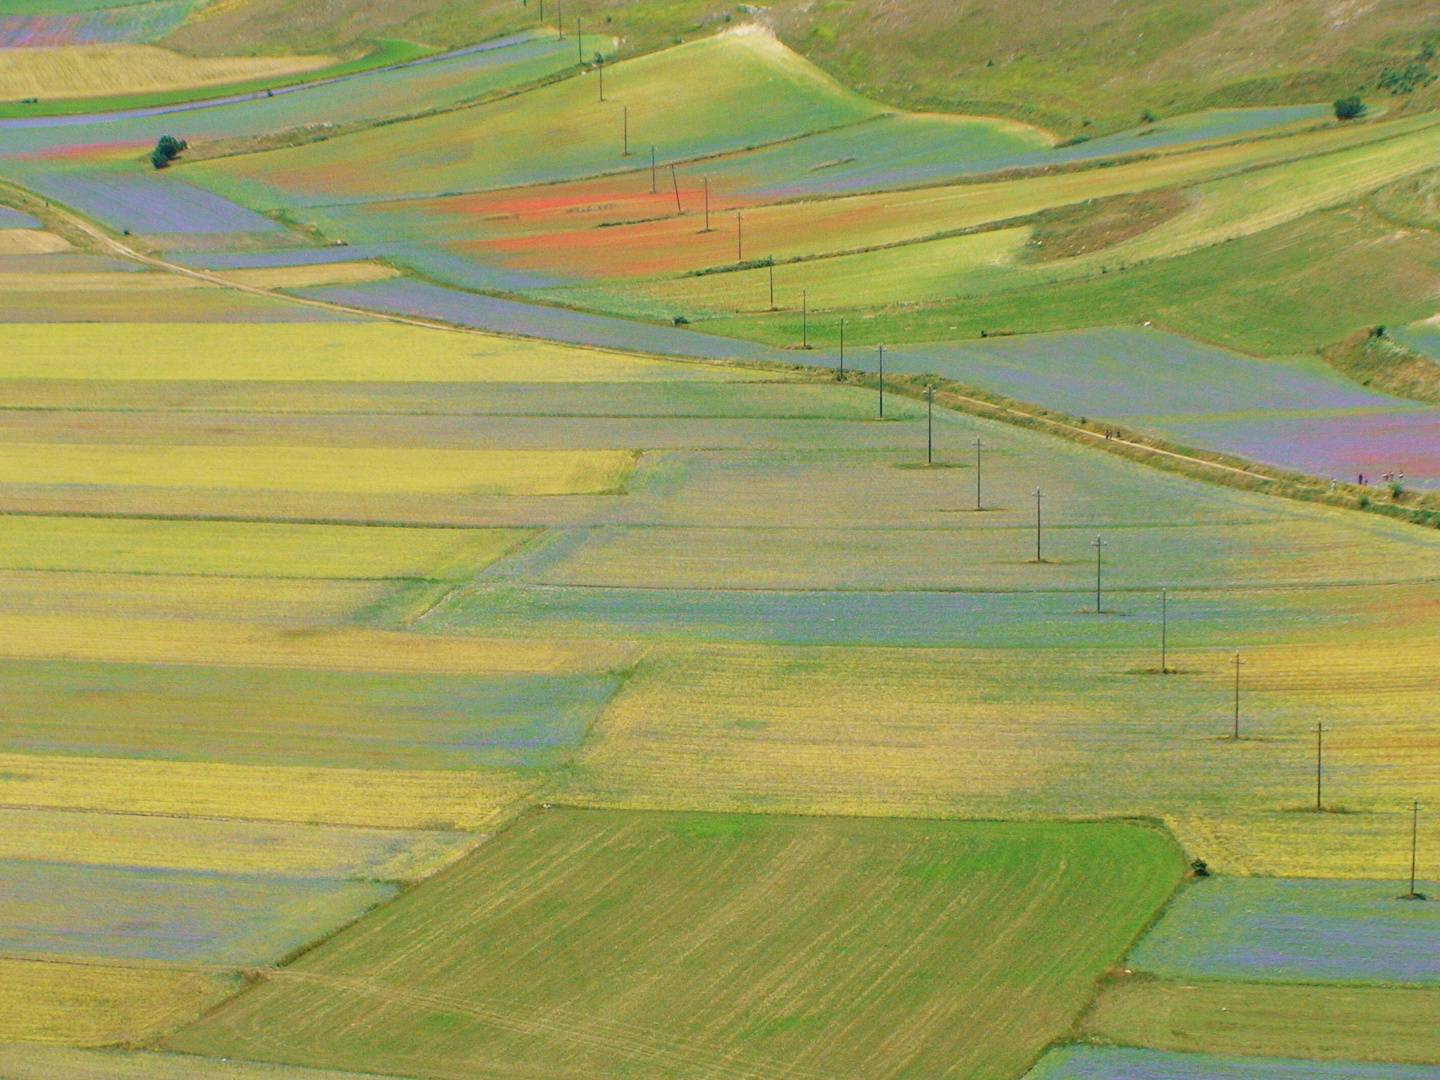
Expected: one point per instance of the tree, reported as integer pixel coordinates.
(1348, 108)
(166, 150)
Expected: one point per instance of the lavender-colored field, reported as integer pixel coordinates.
(1294, 930)
(900, 618)
(401, 89)
(132, 22)
(59, 909)
(1119, 373)
(149, 203)
(16, 219)
(906, 150)
(1422, 337)
(1129, 1063)
(1296, 414)
(410, 297)
(429, 259)
(1344, 447)
(303, 256)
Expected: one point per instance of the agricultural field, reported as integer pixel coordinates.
(1103, 1063)
(1293, 930)
(473, 604)
(711, 937)
(103, 70)
(68, 23)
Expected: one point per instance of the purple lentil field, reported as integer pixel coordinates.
(1129, 1063)
(145, 203)
(1300, 415)
(409, 297)
(169, 915)
(135, 22)
(16, 219)
(1295, 930)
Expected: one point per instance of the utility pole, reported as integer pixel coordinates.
(1319, 762)
(1414, 847)
(600, 70)
(1099, 546)
(579, 40)
(675, 183)
(1038, 496)
(978, 445)
(929, 425)
(772, 284)
(1164, 632)
(882, 382)
(626, 129)
(559, 20)
(840, 376)
(1237, 662)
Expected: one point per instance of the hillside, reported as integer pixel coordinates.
(1060, 63)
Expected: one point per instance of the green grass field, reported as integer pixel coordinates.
(671, 945)
(34, 1061)
(1357, 1023)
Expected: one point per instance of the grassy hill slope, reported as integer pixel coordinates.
(1057, 63)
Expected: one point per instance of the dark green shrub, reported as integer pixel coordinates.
(1348, 108)
(166, 150)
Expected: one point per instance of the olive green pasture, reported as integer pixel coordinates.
(95, 1004)
(591, 943)
(37, 1061)
(244, 847)
(1356, 1023)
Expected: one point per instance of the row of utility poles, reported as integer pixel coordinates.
(1099, 543)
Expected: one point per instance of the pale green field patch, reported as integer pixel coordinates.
(395, 471)
(244, 549)
(184, 843)
(392, 799)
